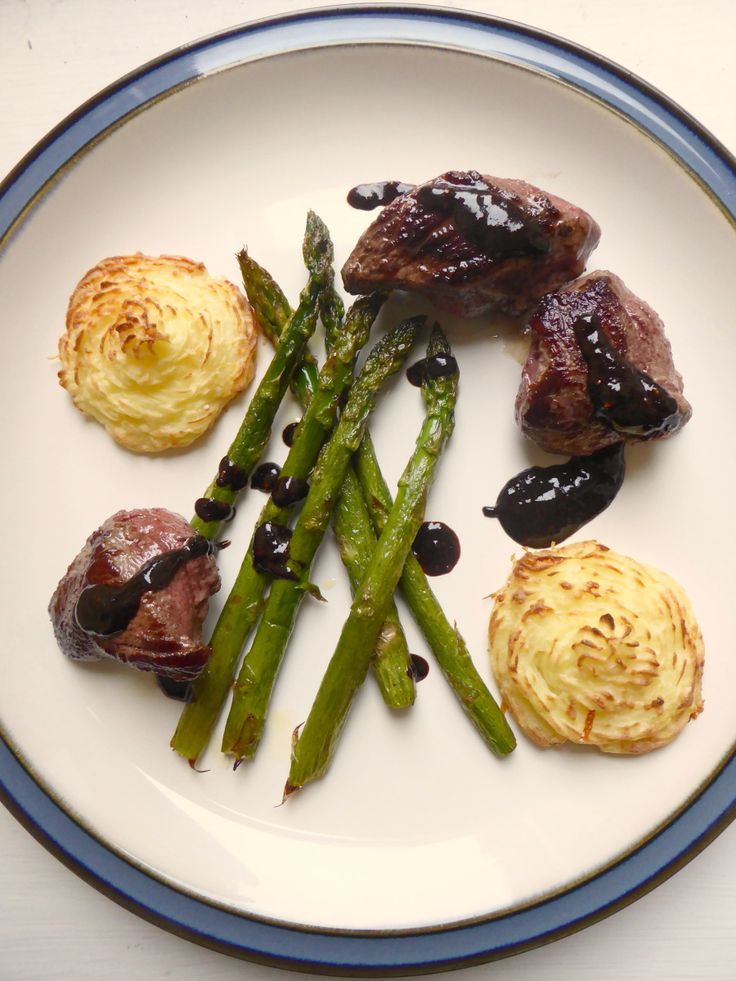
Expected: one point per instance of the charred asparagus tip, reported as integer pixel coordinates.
(255, 430)
(292, 364)
(314, 591)
(289, 789)
(193, 765)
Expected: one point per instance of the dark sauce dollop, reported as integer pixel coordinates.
(435, 366)
(629, 400)
(271, 550)
(105, 609)
(229, 474)
(366, 197)
(288, 434)
(419, 667)
(181, 691)
(210, 509)
(545, 505)
(487, 216)
(288, 490)
(264, 477)
(436, 547)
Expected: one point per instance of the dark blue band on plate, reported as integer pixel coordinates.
(620, 90)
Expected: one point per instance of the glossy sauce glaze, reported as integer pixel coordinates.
(545, 505)
(271, 550)
(229, 474)
(629, 400)
(264, 477)
(288, 490)
(487, 216)
(435, 366)
(180, 691)
(288, 434)
(210, 509)
(419, 667)
(105, 609)
(437, 548)
(366, 197)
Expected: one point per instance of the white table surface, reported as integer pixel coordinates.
(53, 56)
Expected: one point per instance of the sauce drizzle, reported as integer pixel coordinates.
(105, 609)
(288, 490)
(288, 434)
(419, 667)
(264, 477)
(210, 509)
(435, 366)
(271, 550)
(629, 400)
(436, 547)
(545, 505)
(181, 691)
(488, 216)
(366, 197)
(229, 474)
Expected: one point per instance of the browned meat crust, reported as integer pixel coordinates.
(165, 635)
(553, 406)
(412, 247)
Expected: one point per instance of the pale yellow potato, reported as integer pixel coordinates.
(591, 647)
(155, 348)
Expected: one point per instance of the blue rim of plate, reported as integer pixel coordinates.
(372, 953)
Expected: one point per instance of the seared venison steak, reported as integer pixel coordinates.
(558, 405)
(469, 242)
(138, 592)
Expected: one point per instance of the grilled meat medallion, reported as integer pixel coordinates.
(554, 406)
(161, 627)
(470, 243)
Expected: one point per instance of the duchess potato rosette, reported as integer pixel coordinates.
(155, 348)
(591, 647)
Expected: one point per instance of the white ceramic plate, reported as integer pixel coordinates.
(419, 849)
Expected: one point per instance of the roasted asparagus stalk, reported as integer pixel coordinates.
(215, 505)
(245, 600)
(312, 751)
(354, 533)
(443, 637)
(258, 672)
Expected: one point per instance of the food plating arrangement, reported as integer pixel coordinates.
(587, 646)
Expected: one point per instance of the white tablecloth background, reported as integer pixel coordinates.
(54, 54)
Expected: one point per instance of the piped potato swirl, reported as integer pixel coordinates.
(155, 348)
(591, 647)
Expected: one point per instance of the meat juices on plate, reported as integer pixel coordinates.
(554, 406)
(470, 243)
(161, 627)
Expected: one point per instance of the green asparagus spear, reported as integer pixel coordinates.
(245, 601)
(268, 302)
(352, 525)
(444, 639)
(356, 539)
(257, 676)
(255, 429)
(272, 311)
(313, 750)
(331, 313)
